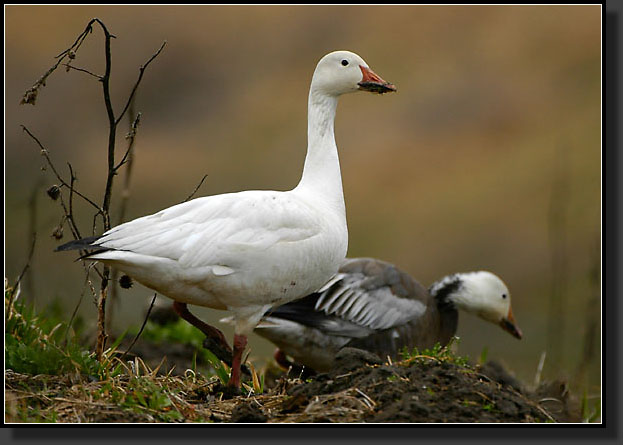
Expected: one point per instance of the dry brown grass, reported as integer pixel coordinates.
(46, 398)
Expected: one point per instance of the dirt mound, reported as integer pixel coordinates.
(361, 388)
(425, 390)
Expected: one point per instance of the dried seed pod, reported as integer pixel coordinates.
(58, 232)
(54, 192)
(125, 282)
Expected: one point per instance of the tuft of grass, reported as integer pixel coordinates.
(181, 331)
(144, 394)
(483, 356)
(40, 354)
(488, 407)
(137, 393)
(437, 352)
(258, 381)
(178, 331)
(37, 344)
(221, 369)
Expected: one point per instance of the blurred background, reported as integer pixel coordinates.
(488, 157)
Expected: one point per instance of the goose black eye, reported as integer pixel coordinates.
(503, 295)
(344, 62)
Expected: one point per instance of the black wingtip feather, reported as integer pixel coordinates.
(301, 311)
(84, 243)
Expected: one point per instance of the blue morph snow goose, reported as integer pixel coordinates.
(248, 251)
(373, 305)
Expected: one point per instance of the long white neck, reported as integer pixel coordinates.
(321, 173)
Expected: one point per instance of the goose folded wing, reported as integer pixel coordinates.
(350, 307)
(203, 231)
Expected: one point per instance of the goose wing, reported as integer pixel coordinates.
(214, 229)
(365, 297)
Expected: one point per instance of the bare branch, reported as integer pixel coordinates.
(140, 77)
(74, 230)
(73, 315)
(45, 154)
(97, 76)
(125, 194)
(113, 121)
(76, 45)
(93, 227)
(102, 336)
(112, 126)
(112, 131)
(32, 230)
(71, 191)
(30, 96)
(153, 300)
(70, 214)
(131, 137)
(26, 266)
(196, 188)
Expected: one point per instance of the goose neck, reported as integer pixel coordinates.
(321, 172)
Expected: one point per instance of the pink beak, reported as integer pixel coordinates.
(372, 82)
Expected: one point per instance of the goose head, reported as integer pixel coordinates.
(483, 294)
(343, 72)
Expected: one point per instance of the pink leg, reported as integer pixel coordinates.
(240, 342)
(216, 339)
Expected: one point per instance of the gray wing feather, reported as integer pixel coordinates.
(366, 298)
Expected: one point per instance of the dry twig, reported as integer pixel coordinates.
(113, 121)
(189, 197)
(153, 300)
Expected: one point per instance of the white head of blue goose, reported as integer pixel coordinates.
(480, 293)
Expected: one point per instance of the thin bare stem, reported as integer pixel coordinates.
(70, 215)
(112, 126)
(45, 154)
(140, 77)
(196, 188)
(82, 70)
(113, 121)
(30, 96)
(32, 230)
(73, 315)
(125, 195)
(127, 156)
(112, 170)
(153, 300)
(76, 45)
(102, 336)
(21, 275)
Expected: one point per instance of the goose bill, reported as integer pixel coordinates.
(510, 326)
(373, 83)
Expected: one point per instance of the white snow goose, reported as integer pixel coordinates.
(246, 252)
(373, 305)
